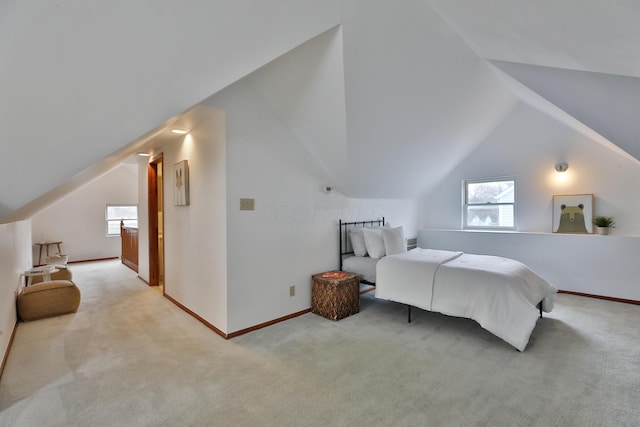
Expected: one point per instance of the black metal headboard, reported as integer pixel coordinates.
(343, 231)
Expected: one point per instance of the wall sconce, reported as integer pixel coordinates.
(562, 167)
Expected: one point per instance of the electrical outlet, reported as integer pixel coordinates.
(292, 290)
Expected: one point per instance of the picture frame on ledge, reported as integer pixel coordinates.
(573, 214)
(181, 183)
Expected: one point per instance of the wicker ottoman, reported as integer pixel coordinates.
(335, 297)
(48, 299)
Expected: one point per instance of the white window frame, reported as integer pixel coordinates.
(466, 204)
(110, 220)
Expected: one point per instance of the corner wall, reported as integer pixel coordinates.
(195, 236)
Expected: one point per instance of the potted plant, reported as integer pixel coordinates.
(603, 224)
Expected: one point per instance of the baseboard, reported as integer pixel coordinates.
(94, 260)
(6, 353)
(237, 333)
(581, 294)
(198, 317)
(141, 278)
(366, 290)
(269, 323)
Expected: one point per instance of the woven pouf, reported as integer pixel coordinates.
(48, 299)
(335, 297)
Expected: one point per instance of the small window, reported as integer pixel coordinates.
(489, 204)
(115, 213)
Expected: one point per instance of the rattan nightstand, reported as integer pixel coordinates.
(335, 297)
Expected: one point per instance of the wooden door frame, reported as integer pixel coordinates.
(152, 195)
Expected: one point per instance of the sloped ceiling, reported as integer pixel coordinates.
(607, 103)
(582, 56)
(375, 107)
(418, 99)
(79, 81)
(585, 35)
(305, 90)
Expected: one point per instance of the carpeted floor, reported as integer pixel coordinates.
(130, 357)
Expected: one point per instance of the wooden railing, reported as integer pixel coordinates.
(129, 238)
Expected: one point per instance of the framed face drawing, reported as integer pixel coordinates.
(181, 183)
(573, 213)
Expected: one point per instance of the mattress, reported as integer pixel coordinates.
(363, 265)
(501, 294)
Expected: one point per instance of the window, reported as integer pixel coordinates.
(115, 213)
(489, 203)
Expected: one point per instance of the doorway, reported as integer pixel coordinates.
(156, 222)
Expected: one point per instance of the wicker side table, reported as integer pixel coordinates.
(335, 297)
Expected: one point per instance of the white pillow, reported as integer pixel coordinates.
(393, 239)
(373, 242)
(357, 241)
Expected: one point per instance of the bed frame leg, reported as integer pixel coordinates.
(540, 305)
(408, 313)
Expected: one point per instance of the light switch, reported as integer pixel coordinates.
(247, 204)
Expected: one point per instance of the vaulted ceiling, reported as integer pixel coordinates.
(85, 84)
(581, 56)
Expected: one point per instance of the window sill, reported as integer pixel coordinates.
(543, 233)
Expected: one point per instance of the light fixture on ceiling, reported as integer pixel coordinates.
(179, 131)
(143, 154)
(562, 167)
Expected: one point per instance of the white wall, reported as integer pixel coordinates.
(397, 212)
(272, 157)
(288, 237)
(195, 236)
(234, 268)
(528, 144)
(293, 233)
(592, 264)
(15, 258)
(78, 219)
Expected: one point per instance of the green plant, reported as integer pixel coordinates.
(604, 221)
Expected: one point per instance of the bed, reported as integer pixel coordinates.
(503, 295)
(353, 255)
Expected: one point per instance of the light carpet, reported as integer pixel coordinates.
(131, 357)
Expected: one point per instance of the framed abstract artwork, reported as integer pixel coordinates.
(181, 183)
(573, 213)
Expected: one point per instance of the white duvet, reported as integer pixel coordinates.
(500, 294)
